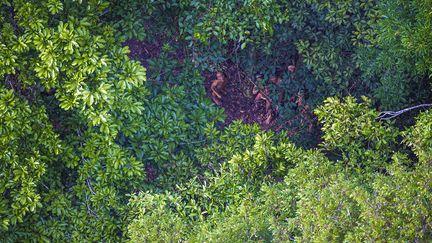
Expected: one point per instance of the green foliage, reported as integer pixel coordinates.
(245, 223)
(90, 152)
(159, 225)
(48, 51)
(400, 59)
(320, 199)
(59, 55)
(240, 21)
(327, 33)
(419, 137)
(28, 143)
(176, 120)
(365, 141)
(404, 25)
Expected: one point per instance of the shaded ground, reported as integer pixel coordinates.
(143, 50)
(237, 100)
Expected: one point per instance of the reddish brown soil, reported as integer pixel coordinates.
(143, 50)
(237, 100)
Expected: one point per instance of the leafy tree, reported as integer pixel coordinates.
(63, 164)
(94, 147)
(93, 128)
(322, 197)
(28, 144)
(176, 121)
(398, 56)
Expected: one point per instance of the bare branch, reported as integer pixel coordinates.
(89, 210)
(387, 115)
(90, 186)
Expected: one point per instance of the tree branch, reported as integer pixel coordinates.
(387, 115)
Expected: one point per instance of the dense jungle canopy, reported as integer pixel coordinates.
(215, 121)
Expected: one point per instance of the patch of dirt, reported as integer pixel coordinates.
(151, 173)
(12, 82)
(238, 98)
(143, 50)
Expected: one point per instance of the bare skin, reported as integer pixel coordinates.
(262, 95)
(291, 68)
(217, 87)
